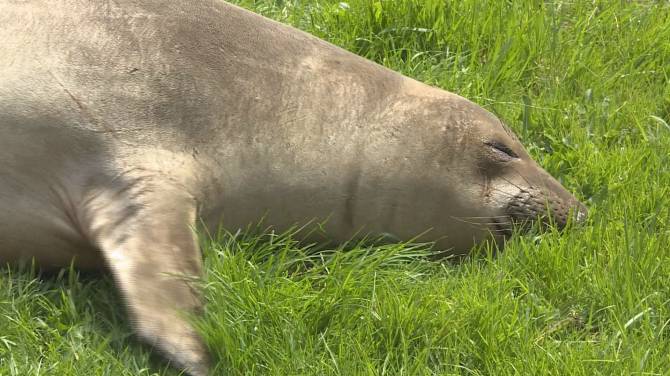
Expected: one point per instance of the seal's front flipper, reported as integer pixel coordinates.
(145, 232)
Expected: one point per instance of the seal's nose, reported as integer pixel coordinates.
(567, 209)
(564, 205)
(580, 213)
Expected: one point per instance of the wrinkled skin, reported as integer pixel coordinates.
(123, 122)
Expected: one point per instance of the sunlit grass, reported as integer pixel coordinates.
(586, 86)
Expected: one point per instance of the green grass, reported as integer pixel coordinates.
(586, 86)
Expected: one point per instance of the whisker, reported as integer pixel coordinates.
(514, 184)
(498, 190)
(500, 231)
(468, 222)
(503, 230)
(492, 216)
(504, 192)
(522, 177)
(484, 223)
(475, 223)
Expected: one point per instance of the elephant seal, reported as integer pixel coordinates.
(123, 122)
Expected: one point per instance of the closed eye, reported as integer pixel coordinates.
(501, 148)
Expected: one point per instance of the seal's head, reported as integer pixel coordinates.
(515, 190)
(478, 180)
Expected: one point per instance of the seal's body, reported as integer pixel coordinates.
(122, 123)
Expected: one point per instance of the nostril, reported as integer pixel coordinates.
(580, 213)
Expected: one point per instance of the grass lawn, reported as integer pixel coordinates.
(586, 86)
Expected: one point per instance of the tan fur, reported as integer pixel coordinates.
(121, 122)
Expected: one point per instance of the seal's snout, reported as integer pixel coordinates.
(534, 204)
